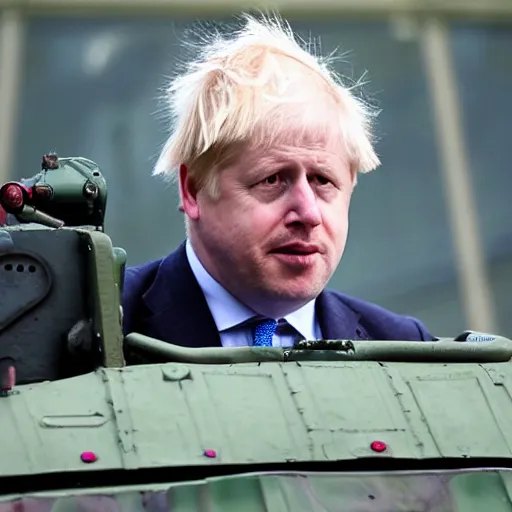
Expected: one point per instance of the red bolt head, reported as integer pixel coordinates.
(88, 457)
(378, 446)
(9, 379)
(210, 454)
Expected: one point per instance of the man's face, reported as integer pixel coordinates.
(277, 230)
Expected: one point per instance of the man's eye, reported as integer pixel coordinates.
(321, 180)
(271, 180)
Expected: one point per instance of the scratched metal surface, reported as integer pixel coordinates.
(161, 415)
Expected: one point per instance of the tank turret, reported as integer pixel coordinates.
(67, 192)
(352, 425)
(60, 277)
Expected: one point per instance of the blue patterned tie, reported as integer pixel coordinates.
(263, 333)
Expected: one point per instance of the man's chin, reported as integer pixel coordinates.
(296, 292)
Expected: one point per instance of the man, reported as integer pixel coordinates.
(266, 148)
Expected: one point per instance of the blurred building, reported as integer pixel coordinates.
(431, 230)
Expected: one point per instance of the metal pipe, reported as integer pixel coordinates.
(11, 41)
(474, 284)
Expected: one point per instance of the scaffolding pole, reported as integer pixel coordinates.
(11, 41)
(474, 283)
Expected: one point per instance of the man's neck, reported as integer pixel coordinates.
(228, 311)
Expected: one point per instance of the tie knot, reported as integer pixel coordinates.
(263, 332)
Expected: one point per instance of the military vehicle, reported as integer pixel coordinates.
(329, 425)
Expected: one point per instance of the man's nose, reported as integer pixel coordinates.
(304, 208)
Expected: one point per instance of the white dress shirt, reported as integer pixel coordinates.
(228, 313)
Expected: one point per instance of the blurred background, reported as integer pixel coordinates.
(431, 230)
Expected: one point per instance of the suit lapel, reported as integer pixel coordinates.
(179, 313)
(336, 319)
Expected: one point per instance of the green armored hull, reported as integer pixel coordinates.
(336, 425)
(274, 436)
(435, 491)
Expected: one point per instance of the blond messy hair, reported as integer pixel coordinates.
(238, 91)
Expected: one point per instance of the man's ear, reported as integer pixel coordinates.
(188, 194)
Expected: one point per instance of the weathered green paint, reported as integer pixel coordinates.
(445, 350)
(105, 295)
(167, 415)
(444, 491)
(120, 259)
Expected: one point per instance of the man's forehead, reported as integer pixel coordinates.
(317, 154)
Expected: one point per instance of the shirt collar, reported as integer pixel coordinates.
(227, 311)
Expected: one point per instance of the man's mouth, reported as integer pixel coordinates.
(297, 249)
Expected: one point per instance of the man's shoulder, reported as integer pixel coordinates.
(379, 322)
(137, 281)
(139, 275)
(147, 285)
(138, 278)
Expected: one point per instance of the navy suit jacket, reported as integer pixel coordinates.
(163, 299)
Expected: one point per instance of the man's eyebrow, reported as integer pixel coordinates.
(262, 164)
(323, 168)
